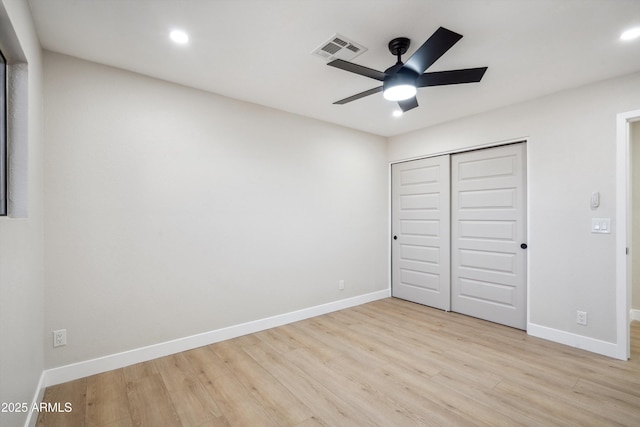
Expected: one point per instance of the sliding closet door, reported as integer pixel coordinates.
(420, 229)
(488, 238)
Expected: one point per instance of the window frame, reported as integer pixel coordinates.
(3, 137)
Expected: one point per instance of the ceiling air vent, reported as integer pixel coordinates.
(339, 47)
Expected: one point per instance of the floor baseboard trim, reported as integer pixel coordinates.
(119, 360)
(635, 314)
(574, 340)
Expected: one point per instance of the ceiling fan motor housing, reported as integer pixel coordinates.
(404, 76)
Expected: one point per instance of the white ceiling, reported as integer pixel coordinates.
(260, 50)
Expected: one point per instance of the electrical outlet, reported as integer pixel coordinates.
(581, 317)
(341, 285)
(60, 338)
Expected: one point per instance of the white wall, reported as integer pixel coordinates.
(571, 153)
(172, 211)
(635, 200)
(21, 243)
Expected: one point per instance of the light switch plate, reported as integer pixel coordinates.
(601, 225)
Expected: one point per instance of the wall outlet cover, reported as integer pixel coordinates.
(581, 317)
(59, 337)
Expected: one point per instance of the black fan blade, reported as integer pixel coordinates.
(359, 95)
(440, 42)
(408, 104)
(358, 69)
(453, 77)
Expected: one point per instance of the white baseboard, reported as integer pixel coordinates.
(578, 341)
(119, 360)
(634, 314)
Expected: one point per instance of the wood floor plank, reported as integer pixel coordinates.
(215, 422)
(302, 333)
(597, 396)
(276, 399)
(205, 362)
(379, 407)
(500, 365)
(390, 362)
(107, 402)
(449, 402)
(188, 395)
(123, 422)
(422, 359)
(149, 401)
(474, 392)
(238, 407)
(563, 412)
(334, 410)
(402, 387)
(73, 393)
(312, 422)
(280, 339)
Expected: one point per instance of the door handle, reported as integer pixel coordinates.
(524, 246)
(395, 237)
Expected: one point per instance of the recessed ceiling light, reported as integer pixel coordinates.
(397, 113)
(179, 36)
(631, 34)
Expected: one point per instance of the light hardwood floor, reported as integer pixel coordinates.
(387, 363)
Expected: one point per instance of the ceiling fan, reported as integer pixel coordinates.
(400, 81)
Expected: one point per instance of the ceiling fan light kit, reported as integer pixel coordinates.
(400, 86)
(401, 81)
(399, 92)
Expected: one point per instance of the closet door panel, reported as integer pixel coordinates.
(488, 226)
(420, 225)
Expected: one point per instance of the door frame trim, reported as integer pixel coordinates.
(460, 150)
(623, 228)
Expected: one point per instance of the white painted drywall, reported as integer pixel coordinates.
(21, 242)
(635, 188)
(571, 153)
(172, 211)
